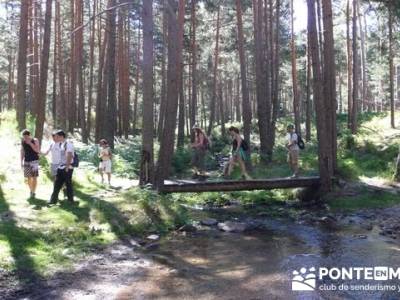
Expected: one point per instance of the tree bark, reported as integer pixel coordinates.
(329, 83)
(215, 79)
(73, 72)
(137, 77)
(193, 112)
(22, 52)
(61, 105)
(147, 161)
(91, 70)
(80, 60)
(163, 72)
(324, 152)
(349, 69)
(44, 71)
(354, 110)
(391, 65)
(174, 59)
(308, 92)
(110, 70)
(296, 100)
(246, 107)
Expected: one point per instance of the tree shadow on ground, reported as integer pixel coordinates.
(20, 240)
(37, 204)
(118, 222)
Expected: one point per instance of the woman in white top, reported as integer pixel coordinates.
(55, 156)
(105, 156)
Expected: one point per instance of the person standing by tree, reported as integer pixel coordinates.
(239, 156)
(105, 156)
(199, 147)
(65, 169)
(30, 149)
(293, 150)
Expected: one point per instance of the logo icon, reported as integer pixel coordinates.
(303, 280)
(381, 273)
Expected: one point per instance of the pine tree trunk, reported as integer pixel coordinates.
(161, 118)
(354, 111)
(136, 98)
(44, 71)
(61, 105)
(193, 112)
(36, 58)
(111, 113)
(174, 60)
(215, 79)
(308, 92)
(147, 161)
(73, 72)
(181, 112)
(296, 100)
(329, 88)
(246, 108)
(91, 63)
(349, 69)
(391, 65)
(101, 86)
(324, 152)
(22, 53)
(55, 71)
(80, 60)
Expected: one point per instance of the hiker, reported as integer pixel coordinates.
(239, 156)
(105, 156)
(30, 149)
(55, 156)
(65, 168)
(293, 150)
(199, 147)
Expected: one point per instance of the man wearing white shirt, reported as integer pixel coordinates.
(65, 168)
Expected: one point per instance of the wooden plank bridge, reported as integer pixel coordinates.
(192, 186)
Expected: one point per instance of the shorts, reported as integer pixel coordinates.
(240, 154)
(105, 166)
(198, 158)
(293, 157)
(53, 169)
(31, 169)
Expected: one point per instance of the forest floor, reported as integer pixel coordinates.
(125, 243)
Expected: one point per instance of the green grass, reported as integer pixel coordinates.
(364, 200)
(36, 239)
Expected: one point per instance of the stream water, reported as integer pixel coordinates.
(259, 264)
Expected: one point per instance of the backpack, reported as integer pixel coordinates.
(75, 158)
(300, 142)
(244, 145)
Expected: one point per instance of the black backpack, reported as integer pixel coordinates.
(244, 145)
(300, 142)
(75, 158)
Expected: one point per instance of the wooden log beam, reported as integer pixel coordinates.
(188, 186)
